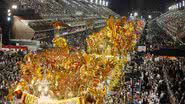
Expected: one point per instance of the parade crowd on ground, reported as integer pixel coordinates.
(9, 73)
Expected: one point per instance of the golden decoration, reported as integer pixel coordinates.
(68, 70)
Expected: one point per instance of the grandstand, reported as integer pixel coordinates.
(79, 15)
(173, 22)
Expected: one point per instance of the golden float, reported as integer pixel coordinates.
(61, 74)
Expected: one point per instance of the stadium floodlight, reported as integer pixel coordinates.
(8, 19)
(169, 8)
(107, 3)
(135, 14)
(91, 1)
(131, 14)
(104, 3)
(150, 16)
(180, 5)
(9, 14)
(14, 6)
(100, 2)
(9, 10)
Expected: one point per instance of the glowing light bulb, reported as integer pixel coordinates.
(46, 89)
(39, 88)
(107, 3)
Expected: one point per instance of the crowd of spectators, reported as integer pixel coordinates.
(157, 38)
(154, 87)
(65, 9)
(164, 81)
(176, 77)
(9, 73)
(173, 22)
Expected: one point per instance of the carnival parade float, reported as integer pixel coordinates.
(63, 75)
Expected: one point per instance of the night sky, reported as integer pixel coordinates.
(122, 7)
